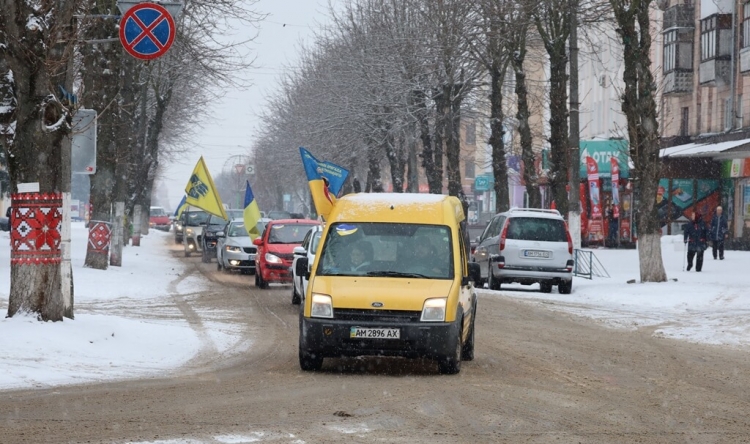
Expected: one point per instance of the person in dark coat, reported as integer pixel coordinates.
(719, 231)
(696, 236)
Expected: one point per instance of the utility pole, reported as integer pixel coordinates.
(574, 212)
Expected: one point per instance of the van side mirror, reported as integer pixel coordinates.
(301, 267)
(258, 241)
(299, 251)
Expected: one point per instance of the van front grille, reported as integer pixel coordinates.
(385, 316)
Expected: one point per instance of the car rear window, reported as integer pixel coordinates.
(537, 229)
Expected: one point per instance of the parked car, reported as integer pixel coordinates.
(275, 248)
(158, 219)
(234, 249)
(214, 224)
(178, 228)
(527, 246)
(193, 222)
(307, 250)
(4, 224)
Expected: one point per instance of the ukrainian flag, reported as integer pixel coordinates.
(201, 191)
(251, 215)
(325, 180)
(181, 207)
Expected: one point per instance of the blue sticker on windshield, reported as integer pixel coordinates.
(346, 229)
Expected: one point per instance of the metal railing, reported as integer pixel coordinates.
(587, 265)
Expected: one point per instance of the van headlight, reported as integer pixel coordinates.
(433, 310)
(189, 231)
(321, 306)
(234, 249)
(272, 259)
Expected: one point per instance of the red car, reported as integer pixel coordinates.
(159, 219)
(275, 250)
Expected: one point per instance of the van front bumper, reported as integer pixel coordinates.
(331, 338)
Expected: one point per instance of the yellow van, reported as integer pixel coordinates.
(391, 278)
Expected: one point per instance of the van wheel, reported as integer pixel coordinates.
(218, 264)
(205, 258)
(467, 353)
(451, 365)
(566, 287)
(545, 287)
(492, 282)
(310, 362)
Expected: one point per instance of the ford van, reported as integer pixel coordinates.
(391, 278)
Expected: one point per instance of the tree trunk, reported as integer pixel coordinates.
(441, 115)
(558, 122)
(412, 181)
(39, 63)
(639, 107)
(428, 145)
(453, 139)
(101, 77)
(522, 115)
(374, 181)
(497, 142)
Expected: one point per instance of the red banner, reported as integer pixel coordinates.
(36, 222)
(596, 228)
(615, 187)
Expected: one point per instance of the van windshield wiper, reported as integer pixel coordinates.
(395, 274)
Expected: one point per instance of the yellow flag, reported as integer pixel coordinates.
(201, 191)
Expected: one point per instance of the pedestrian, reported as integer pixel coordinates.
(719, 232)
(612, 223)
(8, 212)
(695, 236)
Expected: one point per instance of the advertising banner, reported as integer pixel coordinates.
(615, 188)
(596, 228)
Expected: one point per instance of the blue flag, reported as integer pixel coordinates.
(181, 207)
(325, 180)
(251, 214)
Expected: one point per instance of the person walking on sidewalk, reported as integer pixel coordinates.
(695, 237)
(719, 232)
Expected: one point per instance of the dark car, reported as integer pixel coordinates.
(4, 224)
(214, 225)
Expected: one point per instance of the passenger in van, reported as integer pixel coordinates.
(425, 256)
(360, 256)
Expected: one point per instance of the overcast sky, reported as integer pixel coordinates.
(232, 122)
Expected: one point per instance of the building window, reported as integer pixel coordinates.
(685, 121)
(670, 51)
(727, 114)
(698, 119)
(471, 134)
(470, 169)
(746, 25)
(709, 42)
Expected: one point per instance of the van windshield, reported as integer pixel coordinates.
(387, 249)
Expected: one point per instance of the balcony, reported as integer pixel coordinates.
(715, 72)
(679, 16)
(678, 83)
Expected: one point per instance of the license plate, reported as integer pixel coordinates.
(374, 333)
(536, 254)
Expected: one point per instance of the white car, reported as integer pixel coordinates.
(235, 249)
(307, 249)
(527, 246)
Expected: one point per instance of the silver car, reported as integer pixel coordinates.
(527, 246)
(235, 249)
(307, 249)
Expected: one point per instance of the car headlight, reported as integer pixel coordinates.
(322, 306)
(272, 259)
(233, 248)
(433, 310)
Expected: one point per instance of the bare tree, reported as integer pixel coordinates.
(639, 106)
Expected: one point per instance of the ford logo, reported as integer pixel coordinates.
(377, 304)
